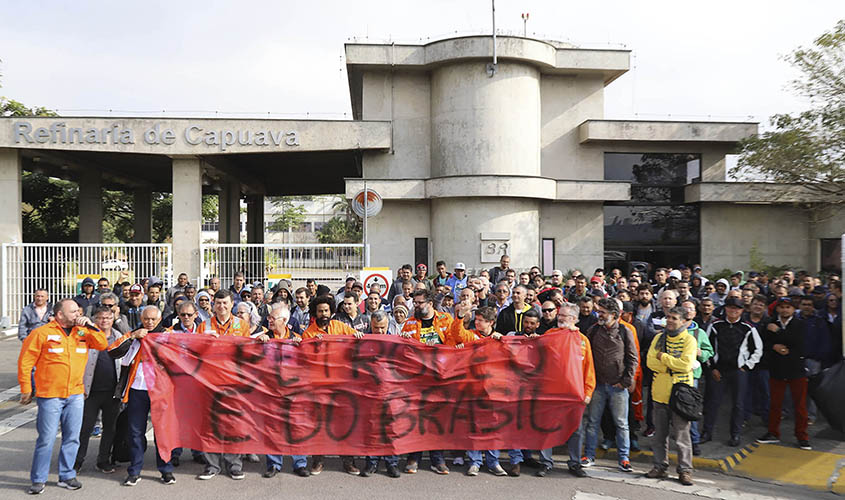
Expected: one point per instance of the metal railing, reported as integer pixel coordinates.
(60, 268)
(329, 264)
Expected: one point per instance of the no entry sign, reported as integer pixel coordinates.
(381, 276)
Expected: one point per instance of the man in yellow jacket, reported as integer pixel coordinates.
(59, 352)
(672, 359)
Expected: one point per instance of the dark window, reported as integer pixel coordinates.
(651, 225)
(654, 225)
(831, 255)
(421, 252)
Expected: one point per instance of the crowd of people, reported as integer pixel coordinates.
(641, 334)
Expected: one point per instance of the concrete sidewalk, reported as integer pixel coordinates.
(784, 463)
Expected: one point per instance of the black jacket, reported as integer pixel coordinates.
(508, 320)
(789, 366)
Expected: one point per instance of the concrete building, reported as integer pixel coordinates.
(471, 159)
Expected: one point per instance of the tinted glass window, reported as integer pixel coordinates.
(652, 169)
(629, 225)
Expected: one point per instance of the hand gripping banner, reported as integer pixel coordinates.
(381, 395)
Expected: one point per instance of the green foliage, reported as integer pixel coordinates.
(50, 209)
(341, 229)
(724, 273)
(807, 148)
(11, 107)
(289, 215)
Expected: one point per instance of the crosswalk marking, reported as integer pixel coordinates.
(699, 489)
(581, 495)
(9, 394)
(9, 424)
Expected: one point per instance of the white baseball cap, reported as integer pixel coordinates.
(461, 266)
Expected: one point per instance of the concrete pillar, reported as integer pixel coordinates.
(255, 219)
(187, 216)
(518, 217)
(142, 222)
(91, 206)
(229, 210)
(484, 125)
(11, 223)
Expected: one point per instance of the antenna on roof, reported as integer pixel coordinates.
(492, 67)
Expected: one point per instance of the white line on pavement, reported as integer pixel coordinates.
(10, 393)
(10, 332)
(580, 495)
(672, 485)
(9, 424)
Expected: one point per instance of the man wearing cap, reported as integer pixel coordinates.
(783, 354)
(88, 300)
(737, 349)
(718, 297)
(458, 280)
(420, 276)
(134, 306)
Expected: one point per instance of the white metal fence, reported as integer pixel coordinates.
(329, 264)
(60, 268)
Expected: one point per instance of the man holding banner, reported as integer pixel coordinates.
(224, 323)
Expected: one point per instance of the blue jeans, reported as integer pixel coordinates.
(435, 456)
(616, 399)
(813, 367)
(733, 381)
(695, 436)
(51, 413)
(388, 459)
(756, 396)
(519, 456)
(573, 446)
(276, 461)
(490, 456)
(139, 409)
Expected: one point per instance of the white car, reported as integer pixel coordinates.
(115, 265)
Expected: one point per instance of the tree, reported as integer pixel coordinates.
(345, 227)
(807, 148)
(289, 215)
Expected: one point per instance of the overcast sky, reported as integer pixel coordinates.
(718, 59)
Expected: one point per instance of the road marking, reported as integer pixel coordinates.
(12, 393)
(9, 424)
(672, 485)
(10, 332)
(581, 495)
(788, 464)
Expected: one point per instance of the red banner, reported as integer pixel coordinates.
(381, 395)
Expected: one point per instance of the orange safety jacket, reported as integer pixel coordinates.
(589, 371)
(235, 326)
(59, 359)
(335, 328)
(442, 323)
(460, 335)
(637, 395)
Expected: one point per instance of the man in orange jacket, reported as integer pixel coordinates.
(567, 316)
(431, 328)
(59, 352)
(321, 310)
(223, 322)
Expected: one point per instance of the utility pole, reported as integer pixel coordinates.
(525, 24)
(493, 67)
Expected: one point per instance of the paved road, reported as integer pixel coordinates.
(17, 436)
